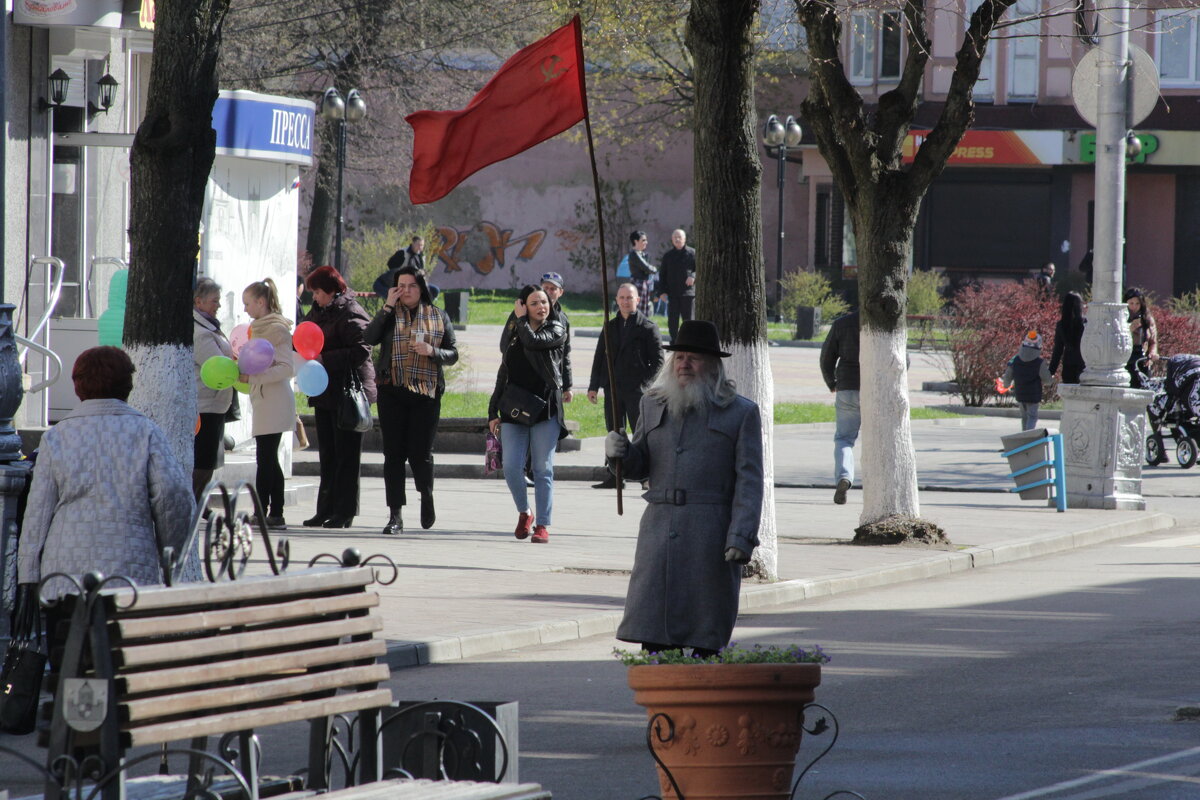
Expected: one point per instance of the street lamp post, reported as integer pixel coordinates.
(341, 110)
(779, 136)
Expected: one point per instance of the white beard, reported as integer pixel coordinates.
(680, 399)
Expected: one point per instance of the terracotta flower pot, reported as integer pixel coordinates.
(737, 726)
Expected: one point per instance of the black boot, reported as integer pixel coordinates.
(428, 516)
(395, 525)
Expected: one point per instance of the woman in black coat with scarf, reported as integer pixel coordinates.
(343, 322)
(416, 341)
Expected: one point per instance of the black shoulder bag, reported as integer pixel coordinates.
(354, 408)
(24, 665)
(520, 405)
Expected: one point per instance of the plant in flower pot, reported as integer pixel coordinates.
(728, 725)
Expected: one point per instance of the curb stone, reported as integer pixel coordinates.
(454, 648)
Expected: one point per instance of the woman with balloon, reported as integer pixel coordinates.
(335, 346)
(416, 340)
(214, 396)
(265, 362)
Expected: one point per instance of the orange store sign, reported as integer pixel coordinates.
(997, 148)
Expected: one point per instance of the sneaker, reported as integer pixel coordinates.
(524, 525)
(540, 535)
(839, 494)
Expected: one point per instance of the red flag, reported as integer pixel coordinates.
(538, 93)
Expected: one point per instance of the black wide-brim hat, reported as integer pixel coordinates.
(697, 336)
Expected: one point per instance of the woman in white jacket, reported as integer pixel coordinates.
(271, 395)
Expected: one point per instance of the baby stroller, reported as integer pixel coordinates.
(1174, 410)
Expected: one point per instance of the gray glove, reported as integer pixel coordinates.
(736, 555)
(616, 445)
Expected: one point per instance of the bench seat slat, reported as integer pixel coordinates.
(202, 674)
(220, 698)
(250, 589)
(189, 650)
(159, 733)
(198, 621)
(398, 789)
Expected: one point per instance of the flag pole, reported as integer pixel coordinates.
(611, 392)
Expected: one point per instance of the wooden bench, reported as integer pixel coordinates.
(153, 666)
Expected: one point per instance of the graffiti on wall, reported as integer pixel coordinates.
(485, 247)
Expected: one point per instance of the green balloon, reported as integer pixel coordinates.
(219, 372)
(244, 388)
(111, 325)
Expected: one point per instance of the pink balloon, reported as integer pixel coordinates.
(238, 337)
(256, 355)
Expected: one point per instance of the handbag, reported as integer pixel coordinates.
(520, 405)
(24, 665)
(493, 454)
(354, 408)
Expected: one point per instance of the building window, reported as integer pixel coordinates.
(985, 87)
(891, 34)
(1024, 42)
(863, 33)
(1176, 51)
(876, 46)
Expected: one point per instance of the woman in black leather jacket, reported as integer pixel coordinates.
(530, 380)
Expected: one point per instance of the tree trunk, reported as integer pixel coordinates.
(170, 162)
(323, 215)
(730, 275)
(883, 229)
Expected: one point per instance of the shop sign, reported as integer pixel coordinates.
(266, 127)
(996, 148)
(75, 13)
(1087, 148)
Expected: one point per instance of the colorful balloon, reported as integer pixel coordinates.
(308, 339)
(197, 425)
(219, 372)
(244, 388)
(238, 338)
(257, 355)
(312, 379)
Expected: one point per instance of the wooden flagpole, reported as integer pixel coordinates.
(611, 394)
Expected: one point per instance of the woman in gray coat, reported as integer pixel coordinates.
(107, 493)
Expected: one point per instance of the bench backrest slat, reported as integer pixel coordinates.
(197, 675)
(200, 621)
(189, 650)
(257, 693)
(256, 718)
(205, 595)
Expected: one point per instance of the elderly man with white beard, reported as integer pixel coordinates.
(700, 445)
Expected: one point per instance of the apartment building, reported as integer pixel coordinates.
(1018, 190)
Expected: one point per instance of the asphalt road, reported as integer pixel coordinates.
(1053, 678)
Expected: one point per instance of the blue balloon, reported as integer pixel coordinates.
(312, 379)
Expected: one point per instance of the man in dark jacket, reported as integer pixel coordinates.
(637, 357)
(839, 367)
(411, 256)
(677, 280)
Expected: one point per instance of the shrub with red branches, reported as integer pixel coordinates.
(1177, 332)
(986, 325)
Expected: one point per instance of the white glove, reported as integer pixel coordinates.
(736, 555)
(615, 445)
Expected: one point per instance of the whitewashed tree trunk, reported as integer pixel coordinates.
(750, 368)
(164, 389)
(888, 465)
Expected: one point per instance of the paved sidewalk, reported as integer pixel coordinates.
(468, 588)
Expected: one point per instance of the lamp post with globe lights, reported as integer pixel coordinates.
(341, 110)
(779, 137)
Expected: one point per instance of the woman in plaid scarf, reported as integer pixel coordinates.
(416, 341)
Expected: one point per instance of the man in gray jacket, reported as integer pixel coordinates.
(700, 444)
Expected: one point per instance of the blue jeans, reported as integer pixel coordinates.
(1029, 416)
(849, 419)
(539, 441)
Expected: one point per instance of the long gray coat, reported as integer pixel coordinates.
(106, 490)
(682, 591)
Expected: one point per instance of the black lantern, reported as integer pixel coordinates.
(59, 81)
(108, 91)
(340, 110)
